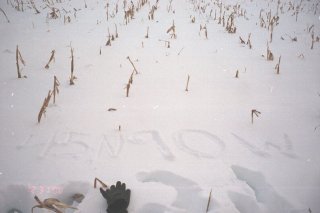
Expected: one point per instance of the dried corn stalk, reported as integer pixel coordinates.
(117, 35)
(249, 41)
(102, 183)
(166, 43)
(56, 85)
(231, 28)
(109, 39)
(193, 19)
(204, 28)
(237, 74)
(254, 112)
(278, 66)
(51, 59)
(72, 77)
(147, 36)
(5, 15)
(241, 40)
(209, 200)
(134, 68)
(172, 29)
(127, 89)
(269, 53)
(187, 86)
(44, 106)
(19, 58)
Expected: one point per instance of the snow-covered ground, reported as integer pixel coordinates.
(170, 146)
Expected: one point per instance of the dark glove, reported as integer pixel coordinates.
(118, 198)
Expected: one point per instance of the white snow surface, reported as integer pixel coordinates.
(174, 146)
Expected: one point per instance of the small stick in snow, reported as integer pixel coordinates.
(278, 66)
(56, 84)
(72, 77)
(187, 87)
(51, 204)
(208, 205)
(5, 15)
(109, 39)
(44, 106)
(237, 74)
(19, 58)
(180, 51)
(269, 53)
(254, 112)
(173, 29)
(102, 183)
(147, 36)
(51, 59)
(117, 35)
(132, 65)
(241, 40)
(249, 41)
(127, 89)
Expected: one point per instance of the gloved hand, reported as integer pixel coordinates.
(118, 198)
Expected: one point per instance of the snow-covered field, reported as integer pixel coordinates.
(170, 146)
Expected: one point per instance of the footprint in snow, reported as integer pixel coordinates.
(265, 199)
(188, 197)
